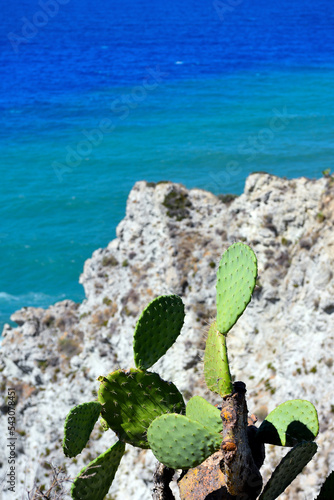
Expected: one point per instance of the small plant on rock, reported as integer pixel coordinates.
(218, 448)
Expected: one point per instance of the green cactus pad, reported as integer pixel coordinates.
(95, 479)
(288, 469)
(327, 489)
(132, 399)
(290, 423)
(79, 424)
(181, 443)
(104, 424)
(216, 368)
(236, 278)
(205, 413)
(157, 329)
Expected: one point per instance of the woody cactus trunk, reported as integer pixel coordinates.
(218, 448)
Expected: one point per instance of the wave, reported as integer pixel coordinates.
(31, 298)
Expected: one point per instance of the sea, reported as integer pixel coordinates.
(96, 95)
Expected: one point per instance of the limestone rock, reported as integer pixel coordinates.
(171, 241)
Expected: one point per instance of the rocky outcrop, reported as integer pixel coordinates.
(171, 241)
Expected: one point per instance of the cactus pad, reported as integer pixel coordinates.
(181, 443)
(288, 469)
(216, 368)
(132, 399)
(236, 278)
(157, 329)
(95, 479)
(290, 423)
(327, 489)
(203, 412)
(104, 424)
(79, 424)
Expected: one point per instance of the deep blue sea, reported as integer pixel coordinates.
(95, 95)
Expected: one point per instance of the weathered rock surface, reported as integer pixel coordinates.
(171, 241)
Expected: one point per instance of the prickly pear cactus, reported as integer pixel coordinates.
(132, 399)
(288, 469)
(205, 413)
(216, 368)
(236, 278)
(146, 411)
(128, 400)
(157, 329)
(95, 479)
(79, 424)
(182, 443)
(290, 423)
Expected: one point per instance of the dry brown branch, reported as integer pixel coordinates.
(56, 491)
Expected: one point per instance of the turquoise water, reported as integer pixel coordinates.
(54, 219)
(187, 94)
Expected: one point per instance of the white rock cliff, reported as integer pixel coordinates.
(171, 241)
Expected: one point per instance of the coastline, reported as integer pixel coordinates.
(170, 242)
(195, 129)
